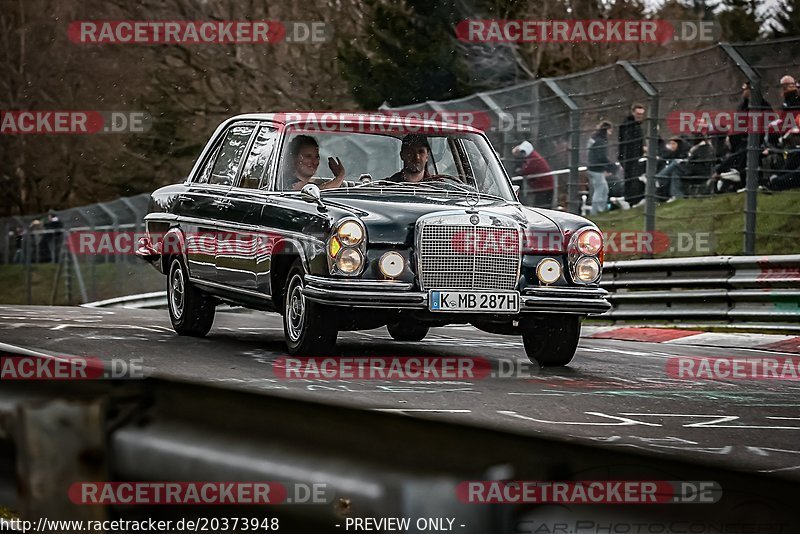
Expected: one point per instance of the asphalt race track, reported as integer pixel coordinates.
(614, 394)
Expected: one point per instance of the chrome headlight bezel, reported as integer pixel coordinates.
(590, 260)
(336, 245)
(575, 254)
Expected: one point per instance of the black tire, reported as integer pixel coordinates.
(190, 310)
(307, 326)
(551, 341)
(406, 330)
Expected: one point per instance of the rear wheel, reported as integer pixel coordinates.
(406, 330)
(190, 310)
(307, 327)
(551, 341)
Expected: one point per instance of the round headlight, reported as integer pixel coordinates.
(391, 264)
(587, 270)
(590, 242)
(350, 233)
(349, 260)
(548, 270)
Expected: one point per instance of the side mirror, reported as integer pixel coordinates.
(310, 193)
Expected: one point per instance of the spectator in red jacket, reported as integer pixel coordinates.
(537, 174)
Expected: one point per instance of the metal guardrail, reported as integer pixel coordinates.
(372, 463)
(720, 288)
(155, 299)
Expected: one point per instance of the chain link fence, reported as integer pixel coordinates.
(560, 116)
(75, 256)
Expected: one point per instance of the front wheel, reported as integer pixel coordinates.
(307, 328)
(190, 310)
(551, 341)
(407, 330)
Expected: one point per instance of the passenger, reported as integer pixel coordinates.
(304, 154)
(415, 151)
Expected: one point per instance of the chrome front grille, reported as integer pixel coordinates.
(466, 256)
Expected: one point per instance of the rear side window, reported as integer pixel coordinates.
(230, 155)
(259, 158)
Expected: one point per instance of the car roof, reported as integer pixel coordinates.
(355, 118)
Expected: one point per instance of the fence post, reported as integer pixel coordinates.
(651, 169)
(753, 143)
(28, 253)
(573, 203)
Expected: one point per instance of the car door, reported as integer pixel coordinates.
(245, 249)
(204, 207)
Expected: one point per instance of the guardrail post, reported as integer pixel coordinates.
(652, 145)
(573, 204)
(753, 144)
(47, 467)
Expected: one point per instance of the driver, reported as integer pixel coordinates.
(415, 153)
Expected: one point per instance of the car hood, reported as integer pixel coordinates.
(392, 219)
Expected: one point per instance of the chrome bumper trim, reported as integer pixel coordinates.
(348, 284)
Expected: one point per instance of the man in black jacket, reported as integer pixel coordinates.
(791, 96)
(631, 150)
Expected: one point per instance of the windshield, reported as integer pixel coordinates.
(456, 162)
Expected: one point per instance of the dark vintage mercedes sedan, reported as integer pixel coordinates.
(407, 224)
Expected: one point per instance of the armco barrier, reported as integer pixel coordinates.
(374, 464)
(734, 289)
(722, 288)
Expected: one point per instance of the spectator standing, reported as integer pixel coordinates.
(600, 166)
(631, 150)
(791, 96)
(540, 186)
(18, 235)
(54, 235)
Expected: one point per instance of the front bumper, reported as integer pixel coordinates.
(398, 295)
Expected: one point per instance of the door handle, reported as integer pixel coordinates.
(184, 198)
(222, 203)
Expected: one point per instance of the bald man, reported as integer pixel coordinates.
(791, 97)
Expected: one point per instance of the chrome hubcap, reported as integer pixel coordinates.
(176, 293)
(295, 308)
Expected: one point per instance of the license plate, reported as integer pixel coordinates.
(460, 301)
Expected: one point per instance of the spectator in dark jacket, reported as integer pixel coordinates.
(791, 96)
(674, 150)
(729, 174)
(698, 164)
(537, 174)
(631, 150)
(600, 167)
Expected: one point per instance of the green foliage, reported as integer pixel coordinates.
(787, 19)
(409, 53)
(739, 20)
